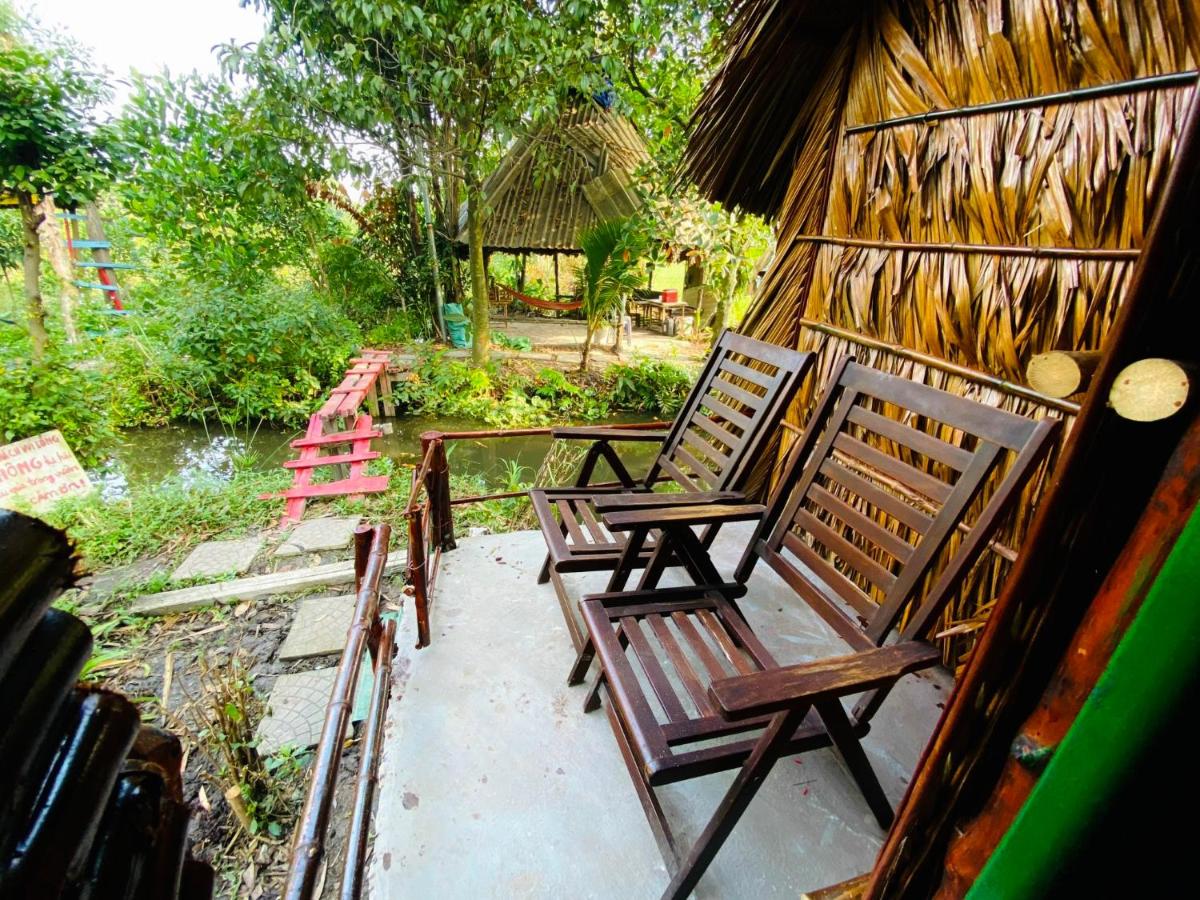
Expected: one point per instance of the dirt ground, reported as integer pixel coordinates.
(157, 663)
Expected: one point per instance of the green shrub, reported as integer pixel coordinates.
(650, 386)
(270, 354)
(361, 286)
(61, 392)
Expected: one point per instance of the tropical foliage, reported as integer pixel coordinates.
(610, 273)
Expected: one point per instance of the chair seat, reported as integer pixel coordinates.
(658, 660)
(586, 544)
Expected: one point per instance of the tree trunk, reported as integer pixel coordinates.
(60, 261)
(721, 313)
(587, 348)
(482, 338)
(35, 312)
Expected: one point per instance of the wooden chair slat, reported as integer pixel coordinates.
(846, 551)
(737, 393)
(921, 482)
(683, 668)
(595, 529)
(702, 650)
(702, 472)
(727, 412)
(831, 577)
(935, 448)
(654, 672)
(871, 530)
(566, 510)
(735, 655)
(697, 443)
(727, 438)
(760, 378)
(679, 476)
(914, 518)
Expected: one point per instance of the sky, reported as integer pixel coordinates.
(148, 35)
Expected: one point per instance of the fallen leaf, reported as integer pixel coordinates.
(202, 797)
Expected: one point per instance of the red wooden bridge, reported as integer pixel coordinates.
(366, 382)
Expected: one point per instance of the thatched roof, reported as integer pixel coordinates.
(568, 175)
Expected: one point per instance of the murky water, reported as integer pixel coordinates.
(191, 451)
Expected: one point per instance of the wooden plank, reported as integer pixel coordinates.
(336, 460)
(727, 412)
(725, 437)
(342, 437)
(909, 515)
(846, 551)
(837, 618)
(832, 578)
(599, 535)
(687, 675)
(566, 512)
(653, 669)
(760, 378)
(701, 649)
(735, 655)
(373, 484)
(871, 530)
(183, 599)
(922, 482)
(707, 449)
(740, 394)
(935, 448)
(701, 471)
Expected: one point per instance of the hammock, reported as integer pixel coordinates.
(551, 305)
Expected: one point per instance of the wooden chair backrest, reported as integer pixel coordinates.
(742, 393)
(872, 494)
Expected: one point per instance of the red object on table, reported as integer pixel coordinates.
(670, 296)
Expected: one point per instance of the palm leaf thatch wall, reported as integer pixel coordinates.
(961, 234)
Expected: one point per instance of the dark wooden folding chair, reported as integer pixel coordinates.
(866, 527)
(742, 393)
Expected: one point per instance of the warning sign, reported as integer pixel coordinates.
(39, 471)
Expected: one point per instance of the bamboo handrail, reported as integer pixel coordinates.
(937, 362)
(1120, 254)
(1132, 85)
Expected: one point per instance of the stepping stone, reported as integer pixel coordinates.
(297, 708)
(214, 558)
(315, 535)
(319, 627)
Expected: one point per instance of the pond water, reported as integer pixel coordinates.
(148, 455)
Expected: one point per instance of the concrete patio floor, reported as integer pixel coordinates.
(494, 783)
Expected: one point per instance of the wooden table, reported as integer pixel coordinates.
(657, 312)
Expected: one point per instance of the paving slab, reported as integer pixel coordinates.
(490, 759)
(297, 704)
(214, 558)
(317, 535)
(253, 587)
(319, 627)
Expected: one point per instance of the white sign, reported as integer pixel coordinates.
(39, 471)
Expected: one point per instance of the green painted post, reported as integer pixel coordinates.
(1140, 688)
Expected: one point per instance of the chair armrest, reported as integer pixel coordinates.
(650, 500)
(607, 434)
(730, 590)
(682, 516)
(775, 690)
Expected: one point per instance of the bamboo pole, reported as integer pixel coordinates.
(1132, 85)
(1100, 253)
(926, 359)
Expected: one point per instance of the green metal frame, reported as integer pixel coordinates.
(1140, 688)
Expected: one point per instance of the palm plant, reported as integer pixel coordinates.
(609, 274)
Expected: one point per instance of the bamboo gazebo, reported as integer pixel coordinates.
(569, 174)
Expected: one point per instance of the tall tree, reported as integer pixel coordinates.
(455, 79)
(50, 142)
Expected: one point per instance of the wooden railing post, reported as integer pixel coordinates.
(417, 573)
(437, 488)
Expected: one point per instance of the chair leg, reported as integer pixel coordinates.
(583, 662)
(544, 575)
(591, 702)
(840, 731)
(749, 779)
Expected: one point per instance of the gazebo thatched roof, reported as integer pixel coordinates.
(569, 174)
